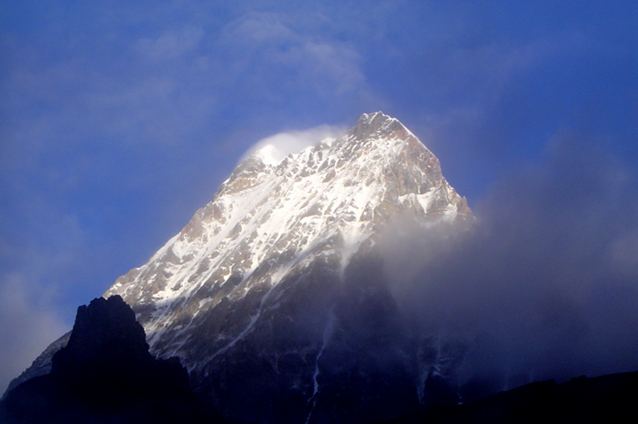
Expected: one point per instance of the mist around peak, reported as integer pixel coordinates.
(542, 286)
(273, 149)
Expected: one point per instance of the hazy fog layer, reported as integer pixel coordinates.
(546, 283)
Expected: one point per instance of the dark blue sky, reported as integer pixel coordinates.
(119, 119)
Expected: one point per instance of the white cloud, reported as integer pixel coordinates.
(170, 45)
(275, 148)
(264, 46)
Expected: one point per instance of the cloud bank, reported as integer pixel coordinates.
(546, 283)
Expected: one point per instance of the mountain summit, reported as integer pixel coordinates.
(273, 296)
(267, 220)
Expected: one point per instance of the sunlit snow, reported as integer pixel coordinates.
(327, 200)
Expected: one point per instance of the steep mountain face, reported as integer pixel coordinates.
(268, 221)
(274, 295)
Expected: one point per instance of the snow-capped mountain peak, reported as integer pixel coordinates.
(273, 215)
(272, 295)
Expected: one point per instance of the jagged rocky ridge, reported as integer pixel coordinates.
(274, 296)
(105, 374)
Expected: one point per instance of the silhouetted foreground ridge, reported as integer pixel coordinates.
(607, 399)
(106, 375)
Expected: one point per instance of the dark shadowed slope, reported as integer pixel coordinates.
(607, 399)
(106, 375)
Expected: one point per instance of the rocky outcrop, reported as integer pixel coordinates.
(105, 374)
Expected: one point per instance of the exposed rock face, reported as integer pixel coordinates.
(273, 295)
(105, 374)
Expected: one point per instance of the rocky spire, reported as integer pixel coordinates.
(105, 374)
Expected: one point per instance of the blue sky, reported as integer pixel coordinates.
(119, 119)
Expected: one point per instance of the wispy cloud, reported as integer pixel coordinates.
(170, 45)
(262, 47)
(282, 144)
(28, 324)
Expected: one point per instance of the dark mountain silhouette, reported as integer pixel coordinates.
(607, 399)
(106, 375)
